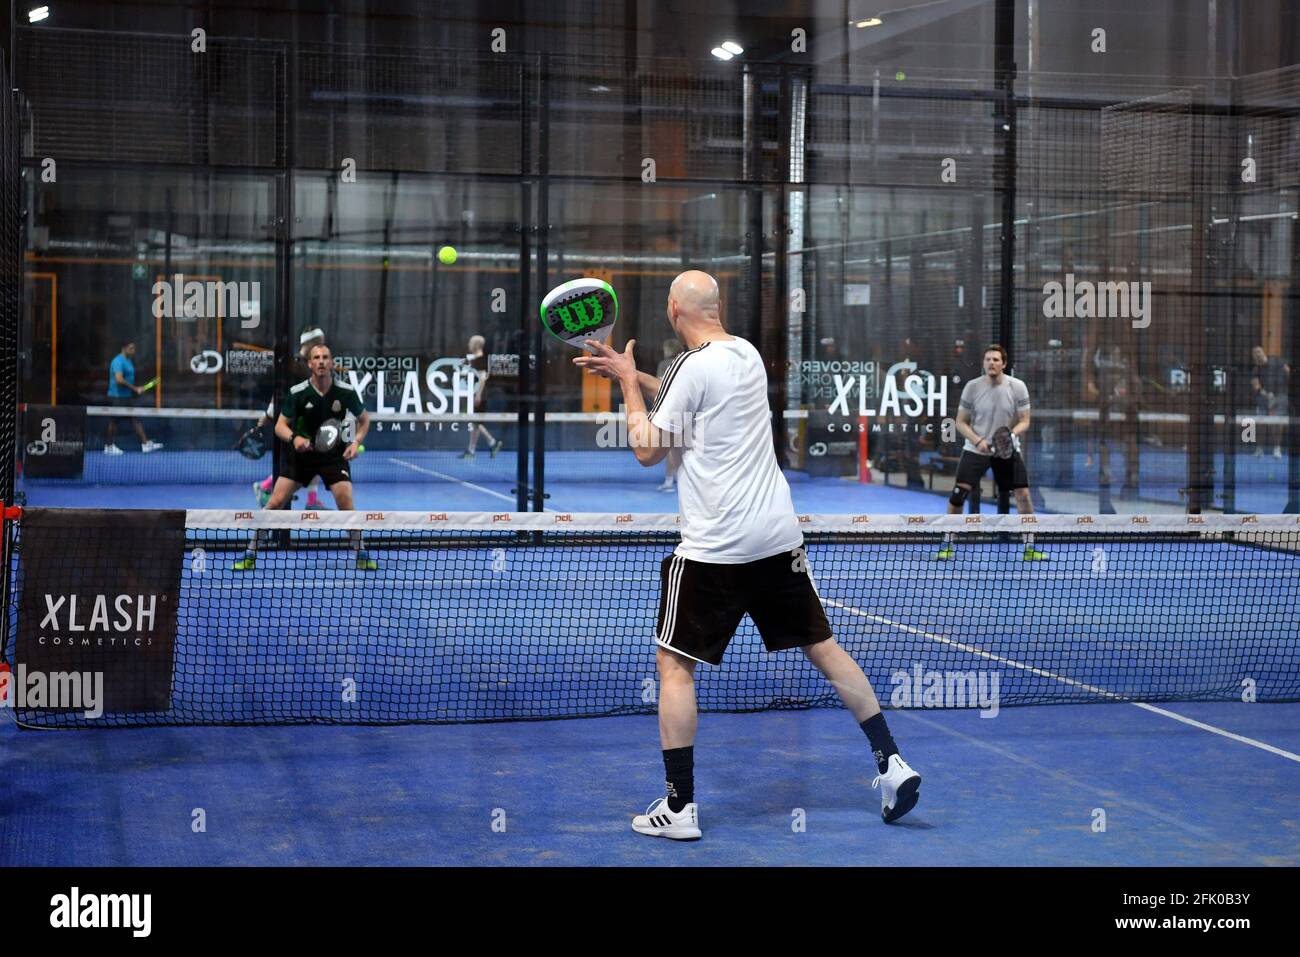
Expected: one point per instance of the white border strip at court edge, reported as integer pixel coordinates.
(1030, 669)
(659, 521)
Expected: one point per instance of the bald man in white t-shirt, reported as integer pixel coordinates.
(741, 549)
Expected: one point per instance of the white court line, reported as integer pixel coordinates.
(1111, 797)
(1211, 728)
(451, 478)
(979, 652)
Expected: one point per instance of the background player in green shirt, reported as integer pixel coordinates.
(309, 405)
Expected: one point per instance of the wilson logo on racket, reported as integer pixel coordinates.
(581, 314)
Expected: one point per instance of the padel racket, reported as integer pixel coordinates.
(1005, 443)
(150, 384)
(252, 443)
(580, 309)
(328, 435)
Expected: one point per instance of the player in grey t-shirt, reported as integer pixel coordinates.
(992, 404)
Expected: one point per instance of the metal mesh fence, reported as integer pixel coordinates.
(1185, 194)
(122, 97)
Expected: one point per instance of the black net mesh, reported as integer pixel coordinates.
(486, 617)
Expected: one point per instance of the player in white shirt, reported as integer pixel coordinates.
(741, 549)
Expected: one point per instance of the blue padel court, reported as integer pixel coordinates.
(1021, 789)
(475, 626)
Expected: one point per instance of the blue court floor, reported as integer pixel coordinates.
(587, 482)
(822, 495)
(1027, 787)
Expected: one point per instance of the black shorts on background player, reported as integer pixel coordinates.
(1010, 474)
(701, 604)
(332, 468)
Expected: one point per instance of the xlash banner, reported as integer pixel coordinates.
(97, 594)
(54, 441)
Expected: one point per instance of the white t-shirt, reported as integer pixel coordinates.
(735, 502)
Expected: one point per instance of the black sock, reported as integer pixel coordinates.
(882, 742)
(679, 770)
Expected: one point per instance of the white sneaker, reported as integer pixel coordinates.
(1277, 452)
(659, 821)
(112, 449)
(900, 789)
(151, 447)
(666, 486)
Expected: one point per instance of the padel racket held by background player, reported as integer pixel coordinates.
(1005, 443)
(252, 443)
(150, 384)
(580, 309)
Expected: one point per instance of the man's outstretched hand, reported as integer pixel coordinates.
(607, 362)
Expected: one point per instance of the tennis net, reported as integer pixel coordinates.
(508, 616)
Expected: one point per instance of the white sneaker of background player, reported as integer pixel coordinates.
(659, 821)
(151, 447)
(900, 789)
(112, 449)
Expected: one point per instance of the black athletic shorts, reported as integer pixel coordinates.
(305, 466)
(701, 604)
(1008, 473)
(124, 402)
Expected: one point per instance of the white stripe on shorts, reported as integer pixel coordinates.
(665, 636)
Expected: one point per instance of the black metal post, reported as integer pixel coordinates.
(524, 338)
(1004, 138)
(284, 247)
(543, 233)
(1292, 305)
(1200, 466)
(778, 368)
(753, 152)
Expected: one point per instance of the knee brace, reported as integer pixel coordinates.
(958, 496)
